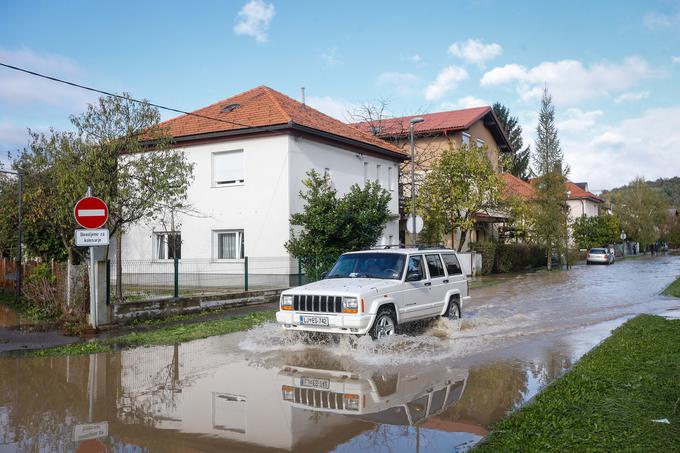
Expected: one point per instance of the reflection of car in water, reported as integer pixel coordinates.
(395, 399)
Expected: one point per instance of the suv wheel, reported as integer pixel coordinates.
(453, 311)
(384, 325)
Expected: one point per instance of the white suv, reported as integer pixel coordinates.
(375, 291)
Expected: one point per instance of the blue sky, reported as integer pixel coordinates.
(612, 66)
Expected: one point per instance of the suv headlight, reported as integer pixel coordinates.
(350, 402)
(286, 302)
(288, 393)
(350, 305)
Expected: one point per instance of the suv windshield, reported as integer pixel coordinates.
(368, 265)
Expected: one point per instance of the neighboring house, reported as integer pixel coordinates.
(438, 132)
(249, 168)
(581, 202)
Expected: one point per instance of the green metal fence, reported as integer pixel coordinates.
(138, 280)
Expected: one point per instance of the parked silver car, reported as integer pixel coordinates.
(599, 256)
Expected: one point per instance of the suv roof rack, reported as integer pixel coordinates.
(432, 246)
(387, 247)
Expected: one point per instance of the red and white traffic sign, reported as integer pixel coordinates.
(91, 212)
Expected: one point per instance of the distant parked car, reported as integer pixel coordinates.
(599, 256)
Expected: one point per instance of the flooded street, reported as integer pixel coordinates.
(438, 387)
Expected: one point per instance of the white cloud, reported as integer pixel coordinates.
(645, 145)
(22, 89)
(337, 108)
(576, 120)
(415, 58)
(632, 96)
(446, 81)
(675, 59)
(404, 83)
(570, 82)
(11, 137)
(475, 52)
(465, 102)
(329, 57)
(656, 20)
(254, 19)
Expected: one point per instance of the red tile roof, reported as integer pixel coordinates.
(453, 120)
(516, 187)
(575, 192)
(262, 107)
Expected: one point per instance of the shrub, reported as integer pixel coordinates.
(488, 252)
(40, 290)
(518, 257)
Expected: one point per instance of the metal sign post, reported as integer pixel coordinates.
(91, 213)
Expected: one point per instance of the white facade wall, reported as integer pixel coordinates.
(274, 167)
(346, 168)
(578, 208)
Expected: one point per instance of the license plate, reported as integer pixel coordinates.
(315, 383)
(314, 320)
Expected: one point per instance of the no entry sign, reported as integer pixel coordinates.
(91, 212)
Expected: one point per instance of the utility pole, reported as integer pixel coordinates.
(411, 125)
(18, 271)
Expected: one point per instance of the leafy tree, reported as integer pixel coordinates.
(641, 210)
(551, 211)
(596, 231)
(140, 175)
(330, 225)
(517, 162)
(461, 184)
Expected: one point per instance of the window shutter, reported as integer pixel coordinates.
(228, 167)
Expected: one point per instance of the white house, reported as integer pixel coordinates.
(581, 202)
(249, 165)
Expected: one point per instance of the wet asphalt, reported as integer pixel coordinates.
(438, 387)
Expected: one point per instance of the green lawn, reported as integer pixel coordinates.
(163, 336)
(673, 289)
(608, 400)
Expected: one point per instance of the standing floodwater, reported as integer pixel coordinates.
(438, 387)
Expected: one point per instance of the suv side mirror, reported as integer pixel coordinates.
(413, 276)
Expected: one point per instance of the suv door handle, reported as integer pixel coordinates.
(445, 281)
(427, 283)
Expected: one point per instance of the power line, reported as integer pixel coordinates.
(73, 84)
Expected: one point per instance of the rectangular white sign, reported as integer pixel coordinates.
(91, 431)
(92, 238)
(91, 212)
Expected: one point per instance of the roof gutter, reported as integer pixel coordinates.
(286, 127)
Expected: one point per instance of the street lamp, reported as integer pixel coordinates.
(17, 273)
(412, 122)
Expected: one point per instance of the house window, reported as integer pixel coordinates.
(365, 172)
(480, 142)
(229, 245)
(168, 245)
(390, 180)
(466, 138)
(378, 174)
(227, 168)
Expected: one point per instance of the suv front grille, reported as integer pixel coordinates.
(323, 304)
(319, 398)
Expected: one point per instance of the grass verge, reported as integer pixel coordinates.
(673, 289)
(163, 336)
(608, 400)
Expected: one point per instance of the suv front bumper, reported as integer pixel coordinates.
(358, 324)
